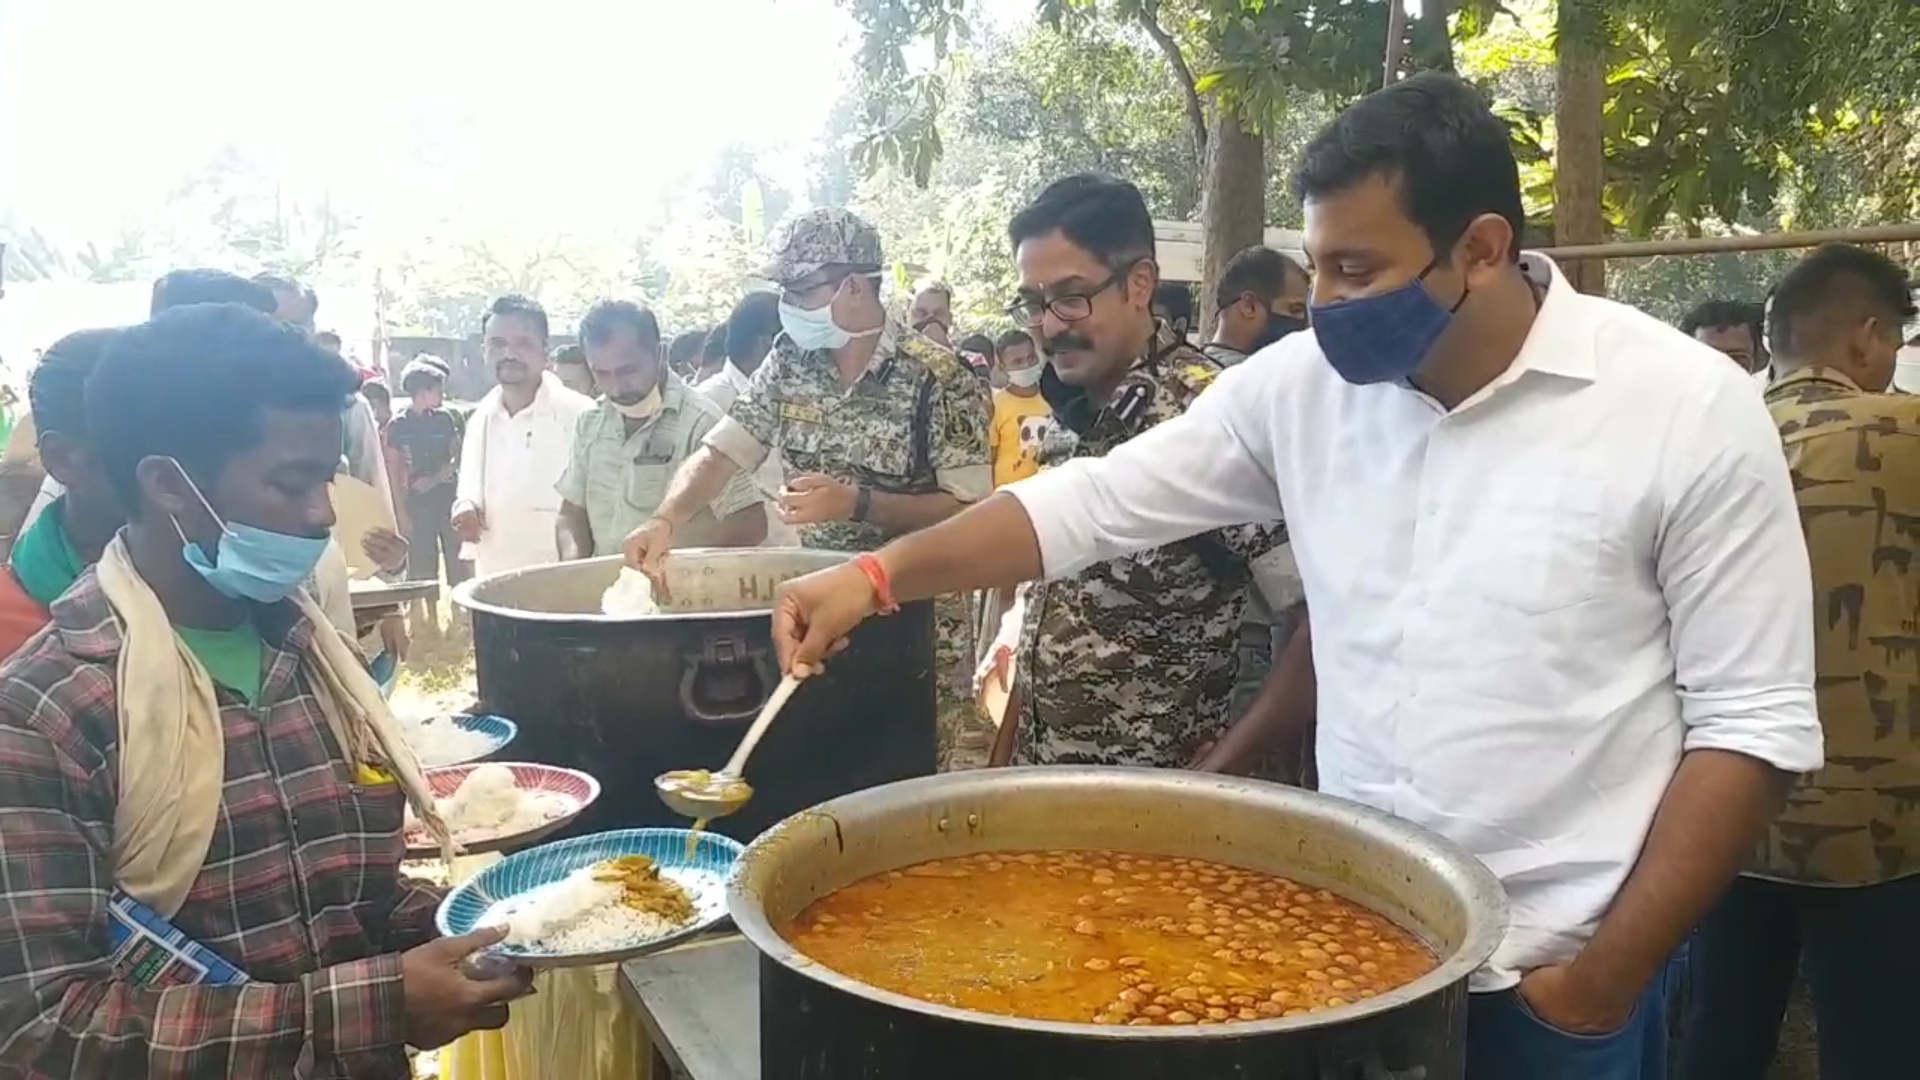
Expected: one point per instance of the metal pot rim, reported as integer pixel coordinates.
(1486, 897)
(463, 594)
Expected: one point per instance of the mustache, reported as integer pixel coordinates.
(1067, 342)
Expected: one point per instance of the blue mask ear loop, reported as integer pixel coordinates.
(204, 505)
(1421, 279)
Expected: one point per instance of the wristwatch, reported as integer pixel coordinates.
(862, 502)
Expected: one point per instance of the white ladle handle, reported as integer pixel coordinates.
(775, 702)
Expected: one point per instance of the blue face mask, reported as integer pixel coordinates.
(251, 563)
(1383, 338)
(814, 329)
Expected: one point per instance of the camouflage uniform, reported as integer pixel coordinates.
(1133, 661)
(1855, 459)
(915, 423)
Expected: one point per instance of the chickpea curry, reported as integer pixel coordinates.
(1107, 938)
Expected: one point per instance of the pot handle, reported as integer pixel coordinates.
(726, 657)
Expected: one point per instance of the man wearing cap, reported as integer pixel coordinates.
(881, 431)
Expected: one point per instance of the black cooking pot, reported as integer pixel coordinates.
(816, 1024)
(628, 697)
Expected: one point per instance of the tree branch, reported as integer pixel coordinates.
(1196, 112)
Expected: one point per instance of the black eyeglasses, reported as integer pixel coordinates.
(1069, 307)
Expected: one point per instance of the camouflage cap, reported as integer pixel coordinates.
(826, 237)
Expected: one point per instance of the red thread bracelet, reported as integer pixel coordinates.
(883, 601)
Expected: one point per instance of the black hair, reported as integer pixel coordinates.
(377, 388)
(276, 283)
(191, 385)
(1261, 271)
(978, 343)
(329, 339)
(1715, 314)
(177, 288)
(597, 325)
(1176, 300)
(714, 349)
(425, 368)
(1011, 339)
(755, 320)
(57, 389)
(515, 304)
(574, 354)
(1433, 136)
(1835, 276)
(1102, 215)
(685, 348)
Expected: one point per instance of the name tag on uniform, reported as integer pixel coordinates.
(654, 457)
(802, 414)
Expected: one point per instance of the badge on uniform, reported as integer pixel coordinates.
(802, 414)
(1200, 374)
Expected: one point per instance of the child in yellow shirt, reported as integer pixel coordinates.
(1021, 417)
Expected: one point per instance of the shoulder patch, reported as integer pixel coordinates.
(1199, 374)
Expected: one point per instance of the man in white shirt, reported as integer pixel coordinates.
(750, 331)
(517, 446)
(1560, 598)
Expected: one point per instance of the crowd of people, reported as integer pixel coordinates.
(1419, 525)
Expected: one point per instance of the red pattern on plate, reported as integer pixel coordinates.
(572, 784)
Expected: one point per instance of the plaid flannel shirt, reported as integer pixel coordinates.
(301, 889)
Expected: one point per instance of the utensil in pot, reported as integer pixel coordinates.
(703, 795)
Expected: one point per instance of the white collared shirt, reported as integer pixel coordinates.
(510, 466)
(1524, 610)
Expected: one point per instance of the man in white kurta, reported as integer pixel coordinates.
(518, 443)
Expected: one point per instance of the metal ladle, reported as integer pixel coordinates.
(703, 795)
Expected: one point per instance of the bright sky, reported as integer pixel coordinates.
(570, 111)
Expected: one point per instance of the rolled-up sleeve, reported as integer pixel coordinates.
(751, 429)
(1210, 468)
(1733, 565)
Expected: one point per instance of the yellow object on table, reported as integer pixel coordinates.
(579, 1026)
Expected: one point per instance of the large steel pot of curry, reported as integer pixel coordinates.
(819, 1024)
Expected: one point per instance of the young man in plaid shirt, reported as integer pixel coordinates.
(219, 430)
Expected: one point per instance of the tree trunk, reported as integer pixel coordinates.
(1438, 12)
(1233, 203)
(1578, 155)
(1396, 41)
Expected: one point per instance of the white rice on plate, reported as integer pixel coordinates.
(487, 805)
(439, 741)
(576, 915)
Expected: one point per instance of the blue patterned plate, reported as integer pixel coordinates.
(498, 729)
(704, 876)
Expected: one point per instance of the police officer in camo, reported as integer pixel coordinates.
(881, 431)
(1131, 661)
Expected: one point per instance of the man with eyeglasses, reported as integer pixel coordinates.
(1131, 661)
(881, 431)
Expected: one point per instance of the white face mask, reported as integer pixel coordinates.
(1025, 378)
(813, 329)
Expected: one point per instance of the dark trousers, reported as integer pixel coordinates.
(431, 540)
(1506, 1041)
(1860, 951)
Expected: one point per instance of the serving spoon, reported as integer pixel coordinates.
(703, 795)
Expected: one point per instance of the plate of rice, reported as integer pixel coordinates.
(457, 740)
(497, 806)
(597, 899)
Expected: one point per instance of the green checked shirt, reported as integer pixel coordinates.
(620, 478)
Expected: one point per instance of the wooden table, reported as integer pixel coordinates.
(700, 1004)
